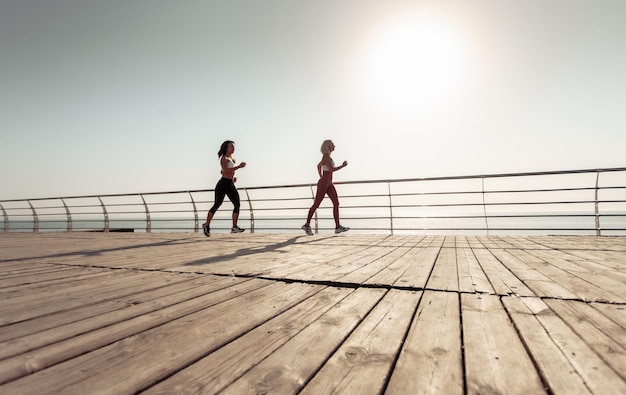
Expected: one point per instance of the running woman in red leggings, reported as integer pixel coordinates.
(325, 186)
(226, 187)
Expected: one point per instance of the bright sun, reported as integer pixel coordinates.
(414, 63)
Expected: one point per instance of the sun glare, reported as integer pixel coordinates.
(413, 63)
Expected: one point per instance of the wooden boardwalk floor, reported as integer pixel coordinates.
(177, 313)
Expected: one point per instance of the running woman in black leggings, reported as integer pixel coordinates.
(226, 187)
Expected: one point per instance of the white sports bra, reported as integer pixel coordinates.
(229, 163)
(325, 168)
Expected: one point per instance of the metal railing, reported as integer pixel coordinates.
(589, 201)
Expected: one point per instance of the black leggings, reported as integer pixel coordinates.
(224, 187)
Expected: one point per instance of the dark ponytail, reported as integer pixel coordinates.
(224, 147)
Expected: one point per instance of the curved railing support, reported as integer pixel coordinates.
(6, 219)
(35, 217)
(148, 220)
(196, 223)
(69, 216)
(106, 215)
(251, 211)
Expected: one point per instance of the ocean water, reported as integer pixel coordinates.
(565, 225)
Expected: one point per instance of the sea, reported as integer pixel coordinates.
(543, 224)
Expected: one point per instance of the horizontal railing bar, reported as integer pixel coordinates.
(325, 207)
(354, 207)
(516, 191)
(497, 203)
(447, 193)
(261, 219)
(308, 185)
(444, 178)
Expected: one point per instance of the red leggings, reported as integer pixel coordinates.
(325, 187)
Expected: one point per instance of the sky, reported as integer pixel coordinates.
(126, 96)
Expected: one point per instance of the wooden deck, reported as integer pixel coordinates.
(120, 313)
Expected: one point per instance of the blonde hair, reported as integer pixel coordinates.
(325, 149)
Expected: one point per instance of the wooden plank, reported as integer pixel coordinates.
(609, 279)
(259, 261)
(471, 276)
(48, 321)
(560, 259)
(223, 366)
(606, 270)
(444, 276)
(255, 258)
(287, 369)
(329, 269)
(29, 272)
(431, 357)
(591, 287)
(617, 313)
(394, 270)
(491, 242)
(495, 358)
(596, 374)
(364, 361)
(524, 243)
(417, 274)
(24, 307)
(542, 282)
(53, 354)
(26, 285)
(608, 259)
(9, 266)
(343, 268)
(474, 243)
(145, 254)
(143, 303)
(501, 279)
(378, 265)
(555, 368)
(603, 336)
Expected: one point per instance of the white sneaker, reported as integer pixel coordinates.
(307, 230)
(237, 229)
(341, 229)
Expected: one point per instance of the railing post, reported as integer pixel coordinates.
(69, 216)
(315, 215)
(6, 219)
(148, 221)
(390, 206)
(251, 211)
(485, 206)
(35, 217)
(106, 215)
(196, 224)
(597, 213)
